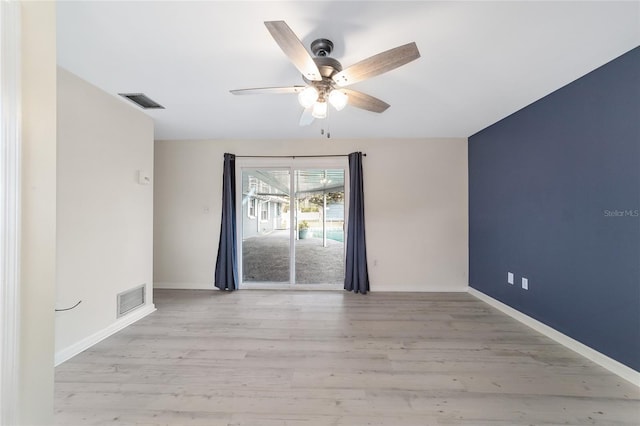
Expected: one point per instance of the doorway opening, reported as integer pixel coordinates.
(291, 224)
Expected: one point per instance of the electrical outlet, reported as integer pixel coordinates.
(525, 283)
(510, 277)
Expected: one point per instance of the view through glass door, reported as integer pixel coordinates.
(319, 246)
(292, 237)
(266, 224)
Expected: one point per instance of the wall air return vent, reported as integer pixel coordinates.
(130, 300)
(142, 100)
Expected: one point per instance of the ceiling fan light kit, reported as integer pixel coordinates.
(323, 74)
(338, 99)
(308, 96)
(319, 110)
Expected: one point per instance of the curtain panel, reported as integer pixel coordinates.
(356, 271)
(226, 274)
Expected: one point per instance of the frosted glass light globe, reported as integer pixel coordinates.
(308, 96)
(338, 99)
(319, 110)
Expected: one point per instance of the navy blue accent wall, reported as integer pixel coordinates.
(554, 193)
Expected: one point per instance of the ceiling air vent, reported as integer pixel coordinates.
(130, 300)
(142, 100)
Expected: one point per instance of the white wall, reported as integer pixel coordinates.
(38, 213)
(415, 195)
(105, 217)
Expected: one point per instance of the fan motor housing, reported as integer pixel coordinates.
(322, 47)
(327, 67)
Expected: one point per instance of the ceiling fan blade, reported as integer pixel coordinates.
(294, 49)
(306, 118)
(268, 90)
(364, 101)
(377, 64)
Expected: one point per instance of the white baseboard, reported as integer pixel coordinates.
(73, 350)
(184, 286)
(419, 289)
(610, 364)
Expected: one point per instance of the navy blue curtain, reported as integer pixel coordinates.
(356, 275)
(226, 275)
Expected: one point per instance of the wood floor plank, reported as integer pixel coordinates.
(286, 358)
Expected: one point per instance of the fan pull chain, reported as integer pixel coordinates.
(328, 132)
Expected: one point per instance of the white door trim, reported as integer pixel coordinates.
(10, 157)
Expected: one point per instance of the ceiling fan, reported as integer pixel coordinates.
(324, 77)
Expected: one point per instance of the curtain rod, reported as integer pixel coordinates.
(294, 156)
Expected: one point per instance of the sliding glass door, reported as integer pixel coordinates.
(291, 224)
(265, 225)
(319, 246)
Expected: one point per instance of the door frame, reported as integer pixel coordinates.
(291, 163)
(10, 190)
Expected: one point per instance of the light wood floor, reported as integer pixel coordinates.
(268, 358)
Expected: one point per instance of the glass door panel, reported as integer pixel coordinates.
(319, 219)
(265, 225)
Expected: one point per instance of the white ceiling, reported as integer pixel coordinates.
(481, 61)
